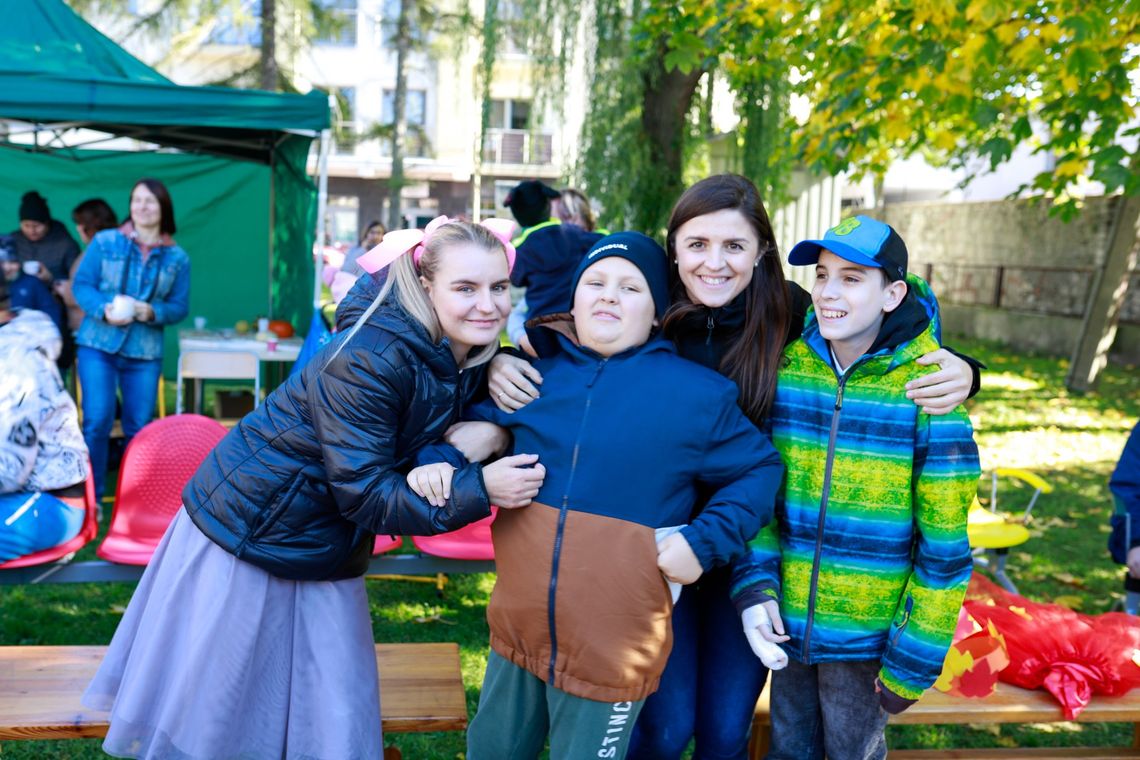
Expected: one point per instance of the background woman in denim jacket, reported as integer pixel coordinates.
(133, 281)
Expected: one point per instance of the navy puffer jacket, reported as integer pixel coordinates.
(303, 483)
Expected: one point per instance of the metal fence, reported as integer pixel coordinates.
(1051, 291)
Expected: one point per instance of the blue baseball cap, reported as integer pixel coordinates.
(860, 240)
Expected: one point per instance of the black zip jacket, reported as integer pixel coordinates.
(302, 484)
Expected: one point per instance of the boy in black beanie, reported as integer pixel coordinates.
(580, 615)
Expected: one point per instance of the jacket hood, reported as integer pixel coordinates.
(910, 331)
(30, 330)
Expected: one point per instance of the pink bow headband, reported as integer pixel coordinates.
(398, 242)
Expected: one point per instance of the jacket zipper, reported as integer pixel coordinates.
(823, 506)
(711, 325)
(562, 512)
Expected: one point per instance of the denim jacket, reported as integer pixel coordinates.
(114, 264)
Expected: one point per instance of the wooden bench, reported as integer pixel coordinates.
(1008, 704)
(421, 689)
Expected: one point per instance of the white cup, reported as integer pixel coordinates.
(32, 268)
(199, 323)
(122, 307)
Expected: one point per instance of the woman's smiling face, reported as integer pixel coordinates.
(716, 254)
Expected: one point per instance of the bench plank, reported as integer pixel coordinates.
(1008, 704)
(421, 689)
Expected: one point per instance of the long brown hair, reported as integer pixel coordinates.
(754, 355)
(165, 204)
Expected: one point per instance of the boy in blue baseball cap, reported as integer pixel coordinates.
(865, 565)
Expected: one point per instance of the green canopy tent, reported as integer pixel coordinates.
(244, 204)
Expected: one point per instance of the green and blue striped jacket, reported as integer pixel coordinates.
(867, 554)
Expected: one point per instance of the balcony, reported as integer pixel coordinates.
(518, 147)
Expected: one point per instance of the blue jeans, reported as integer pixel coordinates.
(710, 685)
(31, 522)
(100, 375)
(830, 709)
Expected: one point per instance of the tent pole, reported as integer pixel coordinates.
(322, 205)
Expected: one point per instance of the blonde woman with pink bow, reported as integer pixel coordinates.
(249, 634)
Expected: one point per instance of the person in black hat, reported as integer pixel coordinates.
(548, 249)
(583, 637)
(43, 242)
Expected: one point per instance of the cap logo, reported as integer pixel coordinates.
(846, 227)
(609, 247)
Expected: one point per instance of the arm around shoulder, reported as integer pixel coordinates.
(356, 404)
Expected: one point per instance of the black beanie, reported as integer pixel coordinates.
(529, 201)
(34, 208)
(644, 253)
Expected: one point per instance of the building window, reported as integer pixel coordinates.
(344, 120)
(336, 22)
(512, 27)
(390, 13)
(238, 26)
(511, 139)
(510, 114)
(343, 220)
(415, 114)
(415, 107)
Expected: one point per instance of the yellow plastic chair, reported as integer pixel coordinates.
(993, 533)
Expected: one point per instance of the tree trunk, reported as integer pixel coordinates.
(486, 71)
(400, 127)
(1107, 296)
(668, 97)
(269, 76)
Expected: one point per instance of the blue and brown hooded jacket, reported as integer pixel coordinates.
(626, 442)
(867, 554)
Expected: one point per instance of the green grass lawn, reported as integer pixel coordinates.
(1023, 418)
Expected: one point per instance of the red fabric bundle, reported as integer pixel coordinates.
(1073, 656)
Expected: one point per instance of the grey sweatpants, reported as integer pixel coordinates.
(517, 710)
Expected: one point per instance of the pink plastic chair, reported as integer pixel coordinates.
(469, 542)
(386, 544)
(157, 464)
(86, 533)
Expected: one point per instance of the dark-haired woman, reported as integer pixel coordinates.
(90, 217)
(732, 311)
(133, 281)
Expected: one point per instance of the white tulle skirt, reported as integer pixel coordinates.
(216, 658)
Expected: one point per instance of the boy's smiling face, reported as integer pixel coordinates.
(613, 308)
(850, 301)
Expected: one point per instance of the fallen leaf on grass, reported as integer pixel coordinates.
(989, 728)
(1072, 601)
(432, 619)
(1069, 580)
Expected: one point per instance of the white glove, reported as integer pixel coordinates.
(755, 620)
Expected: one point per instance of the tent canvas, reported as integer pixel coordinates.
(245, 207)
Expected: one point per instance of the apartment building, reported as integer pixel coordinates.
(356, 64)
(443, 110)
